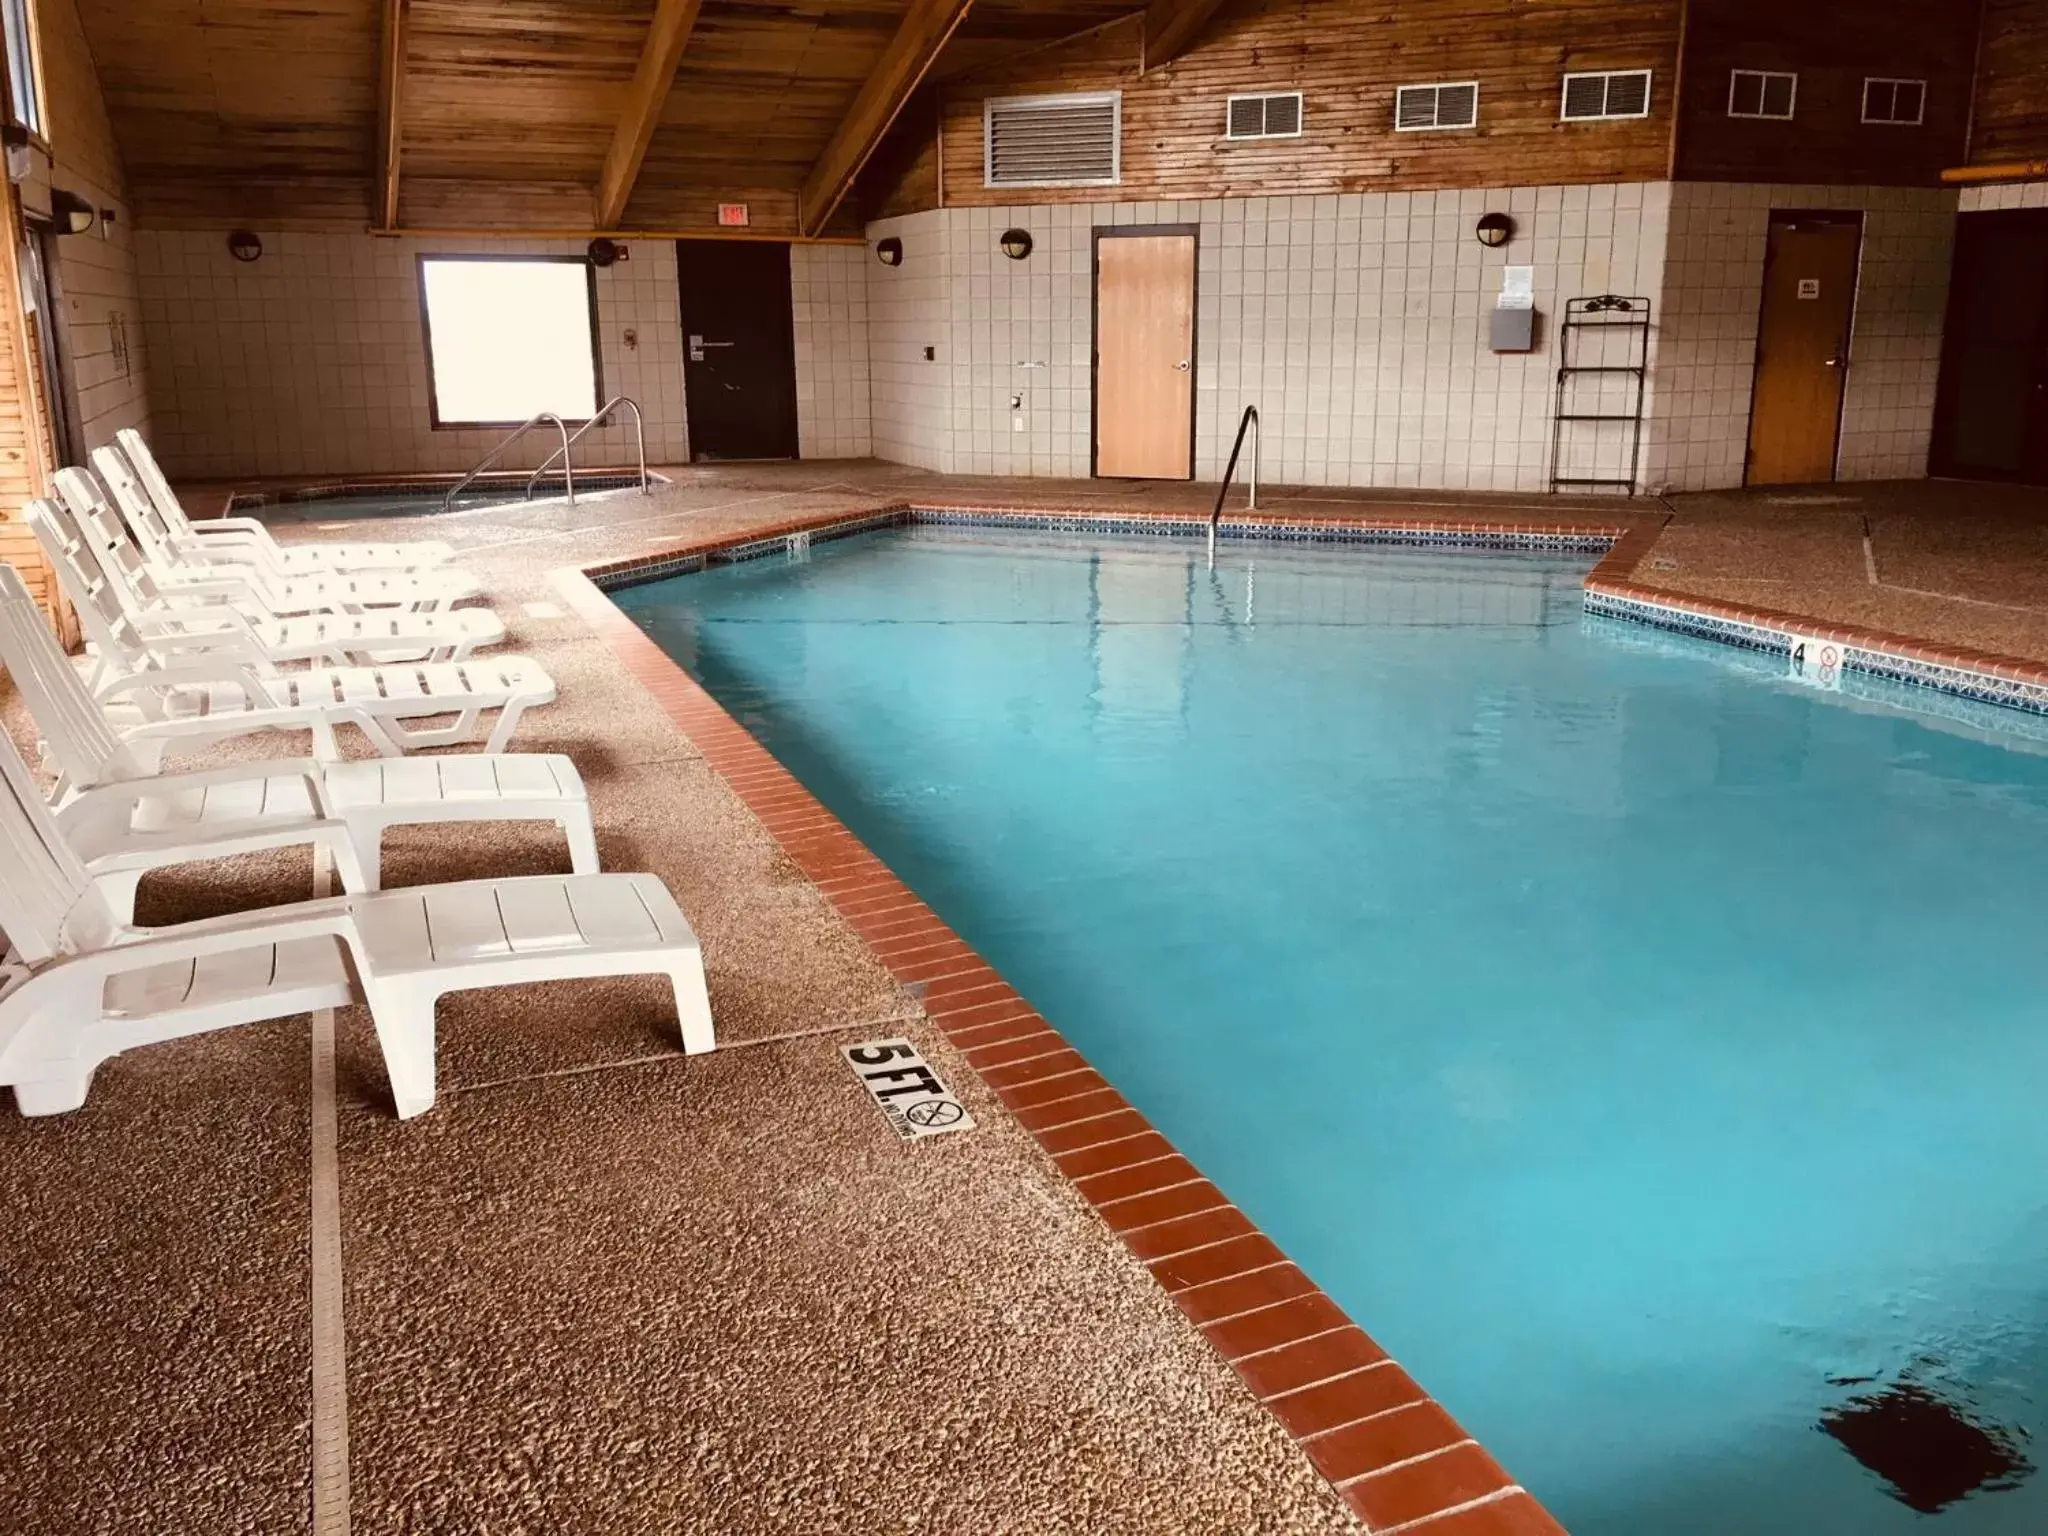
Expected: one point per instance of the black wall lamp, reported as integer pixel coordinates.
(244, 245)
(889, 251)
(1016, 243)
(72, 214)
(1495, 230)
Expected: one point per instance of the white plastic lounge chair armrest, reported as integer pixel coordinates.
(174, 650)
(222, 584)
(229, 552)
(88, 802)
(254, 691)
(194, 619)
(241, 527)
(274, 717)
(326, 917)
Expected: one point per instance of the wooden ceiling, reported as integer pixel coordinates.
(504, 112)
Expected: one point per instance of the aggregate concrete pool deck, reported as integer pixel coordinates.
(605, 1288)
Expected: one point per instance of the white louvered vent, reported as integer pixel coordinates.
(1762, 93)
(1453, 105)
(1053, 141)
(1276, 116)
(1614, 93)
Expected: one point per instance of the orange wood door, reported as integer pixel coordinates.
(1802, 349)
(1145, 356)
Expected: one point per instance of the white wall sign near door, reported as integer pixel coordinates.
(907, 1089)
(1817, 663)
(1809, 287)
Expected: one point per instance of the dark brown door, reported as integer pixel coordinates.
(1991, 412)
(1802, 347)
(1145, 354)
(739, 349)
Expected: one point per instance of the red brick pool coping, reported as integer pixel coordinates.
(1395, 1456)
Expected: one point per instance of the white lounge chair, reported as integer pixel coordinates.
(76, 988)
(101, 570)
(331, 592)
(231, 533)
(198, 681)
(122, 821)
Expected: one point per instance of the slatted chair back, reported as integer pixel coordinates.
(106, 534)
(74, 729)
(48, 906)
(151, 530)
(154, 483)
(96, 595)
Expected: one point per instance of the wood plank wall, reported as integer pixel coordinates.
(2012, 84)
(1832, 47)
(1347, 56)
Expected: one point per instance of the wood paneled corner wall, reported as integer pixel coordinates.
(1348, 57)
(2012, 84)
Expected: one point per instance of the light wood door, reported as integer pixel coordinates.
(1802, 350)
(1145, 356)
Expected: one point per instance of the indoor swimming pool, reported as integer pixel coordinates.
(349, 502)
(1647, 1049)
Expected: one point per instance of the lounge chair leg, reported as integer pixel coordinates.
(118, 886)
(582, 842)
(53, 1095)
(404, 1018)
(693, 1009)
(359, 857)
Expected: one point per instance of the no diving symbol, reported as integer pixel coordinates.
(931, 1114)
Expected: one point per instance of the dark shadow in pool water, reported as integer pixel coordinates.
(1930, 1451)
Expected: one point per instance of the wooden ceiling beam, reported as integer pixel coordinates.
(667, 35)
(390, 110)
(927, 27)
(1172, 27)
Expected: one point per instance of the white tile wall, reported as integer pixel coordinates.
(1707, 343)
(829, 290)
(100, 312)
(2015, 194)
(1356, 323)
(910, 309)
(312, 360)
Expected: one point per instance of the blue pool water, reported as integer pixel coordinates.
(1649, 1051)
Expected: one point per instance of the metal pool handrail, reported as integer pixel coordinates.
(1249, 422)
(603, 415)
(568, 471)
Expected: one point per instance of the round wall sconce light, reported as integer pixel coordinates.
(72, 214)
(889, 251)
(1016, 243)
(603, 252)
(1495, 231)
(244, 245)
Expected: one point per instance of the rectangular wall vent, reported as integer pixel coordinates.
(1615, 93)
(1053, 141)
(1762, 93)
(1895, 101)
(1450, 105)
(1276, 116)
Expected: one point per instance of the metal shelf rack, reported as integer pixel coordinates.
(1612, 323)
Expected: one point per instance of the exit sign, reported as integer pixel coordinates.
(732, 215)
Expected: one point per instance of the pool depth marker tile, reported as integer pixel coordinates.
(1185, 1230)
